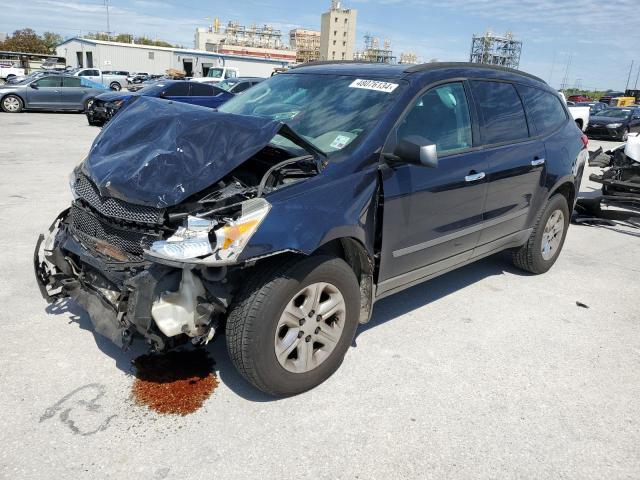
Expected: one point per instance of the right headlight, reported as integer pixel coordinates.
(194, 240)
(614, 125)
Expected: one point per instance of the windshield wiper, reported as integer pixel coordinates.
(287, 132)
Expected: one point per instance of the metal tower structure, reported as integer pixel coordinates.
(496, 49)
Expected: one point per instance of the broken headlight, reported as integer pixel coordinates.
(195, 240)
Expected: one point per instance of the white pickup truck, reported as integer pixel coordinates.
(114, 82)
(579, 114)
(8, 70)
(218, 74)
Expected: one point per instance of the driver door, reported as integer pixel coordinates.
(432, 216)
(45, 92)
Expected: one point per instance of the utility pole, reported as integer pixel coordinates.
(565, 80)
(106, 4)
(553, 66)
(635, 86)
(629, 76)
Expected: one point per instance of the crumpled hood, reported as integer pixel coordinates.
(157, 152)
(113, 96)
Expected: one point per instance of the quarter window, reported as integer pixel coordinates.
(501, 111)
(544, 108)
(442, 116)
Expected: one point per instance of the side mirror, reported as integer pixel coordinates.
(417, 150)
(34, 85)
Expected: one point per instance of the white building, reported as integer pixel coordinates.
(83, 52)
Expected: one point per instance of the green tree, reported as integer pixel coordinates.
(25, 40)
(123, 38)
(52, 40)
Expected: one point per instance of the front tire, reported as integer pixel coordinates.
(115, 86)
(12, 104)
(547, 238)
(292, 323)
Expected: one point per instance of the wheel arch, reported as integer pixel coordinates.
(567, 189)
(24, 103)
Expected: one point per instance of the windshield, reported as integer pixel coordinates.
(329, 111)
(614, 113)
(215, 72)
(228, 84)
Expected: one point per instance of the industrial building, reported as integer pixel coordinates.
(338, 32)
(408, 57)
(306, 44)
(374, 52)
(82, 52)
(496, 50)
(236, 39)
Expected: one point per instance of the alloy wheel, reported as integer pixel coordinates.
(11, 104)
(310, 327)
(552, 235)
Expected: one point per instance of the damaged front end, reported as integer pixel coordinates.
(150, 246)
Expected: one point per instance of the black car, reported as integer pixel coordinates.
(615, 123)
(609, 95)
(280, 218)
(238, 85)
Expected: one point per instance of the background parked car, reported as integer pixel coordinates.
(615, 123)
(8, 71)
(578, 98)
(594, 107)
(609, 95)
(239, 84)
(51, 92)
(108, 104)
(114, 82)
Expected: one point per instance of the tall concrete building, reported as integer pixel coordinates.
(338, 32)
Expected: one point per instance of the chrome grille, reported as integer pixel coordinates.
(115, 208)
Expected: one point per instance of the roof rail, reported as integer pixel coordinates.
(438, 65)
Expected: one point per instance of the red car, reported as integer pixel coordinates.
(578, 98)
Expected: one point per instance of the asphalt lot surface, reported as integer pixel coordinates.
(485, 372)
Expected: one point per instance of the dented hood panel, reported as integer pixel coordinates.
(157, 153)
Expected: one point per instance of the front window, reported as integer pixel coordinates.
(330, 112)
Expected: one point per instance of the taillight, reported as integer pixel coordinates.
(585, 141)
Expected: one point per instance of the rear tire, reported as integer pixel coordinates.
(115, 86)
(12, 104)
(260, 332)
(547, 238)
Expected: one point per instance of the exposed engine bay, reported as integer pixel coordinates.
(165, 272)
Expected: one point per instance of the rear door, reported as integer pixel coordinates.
(45, 92)
(432, 215)
(72, 93)
(516, 160)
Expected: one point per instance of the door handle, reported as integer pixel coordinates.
(537, 161)
(473, 177)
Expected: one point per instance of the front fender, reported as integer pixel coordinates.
(330, 208)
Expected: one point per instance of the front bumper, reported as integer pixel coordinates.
(117, 296)
(605, 132)
(101, 112)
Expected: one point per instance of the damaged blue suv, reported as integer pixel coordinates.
(282, 217)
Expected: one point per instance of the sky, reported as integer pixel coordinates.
(597, 43)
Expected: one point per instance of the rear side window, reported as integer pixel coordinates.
(178, 89)
(501, 112)
(442, 116)
(70, 81)
(201, 90)
(544, 108)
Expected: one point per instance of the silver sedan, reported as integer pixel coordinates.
(53, 92)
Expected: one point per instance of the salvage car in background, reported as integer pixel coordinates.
(594, 107)
(615, 123)
(107, 104)
(239, 84)
(282, 216)
(50, 92)
(9, 70)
